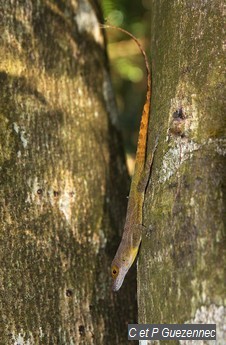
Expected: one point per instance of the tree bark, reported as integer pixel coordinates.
(63, 179)
(181, 262)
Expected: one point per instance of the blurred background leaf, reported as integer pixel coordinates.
(127, 65)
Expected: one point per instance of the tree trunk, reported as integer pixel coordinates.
(63, 179)
(180, 270)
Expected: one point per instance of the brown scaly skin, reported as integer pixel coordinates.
(131, 237)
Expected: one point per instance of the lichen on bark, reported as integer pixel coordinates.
(61, 191)
(179, 271)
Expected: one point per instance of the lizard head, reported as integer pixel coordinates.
(118, 274)
(120, 266)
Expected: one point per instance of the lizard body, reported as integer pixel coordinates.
(131, 238)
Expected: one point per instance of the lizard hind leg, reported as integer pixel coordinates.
(142, 185)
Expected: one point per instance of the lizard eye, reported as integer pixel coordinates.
(114, 271)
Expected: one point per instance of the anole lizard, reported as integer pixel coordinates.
(131, 238)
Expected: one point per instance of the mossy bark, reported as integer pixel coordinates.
(181, 262)
(63, 179)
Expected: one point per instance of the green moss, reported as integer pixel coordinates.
(179, 270)
(7, 141)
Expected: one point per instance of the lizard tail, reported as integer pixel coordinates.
(143, 132)
(142, 137)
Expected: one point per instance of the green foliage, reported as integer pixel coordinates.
(128, 70)
(113, 11)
